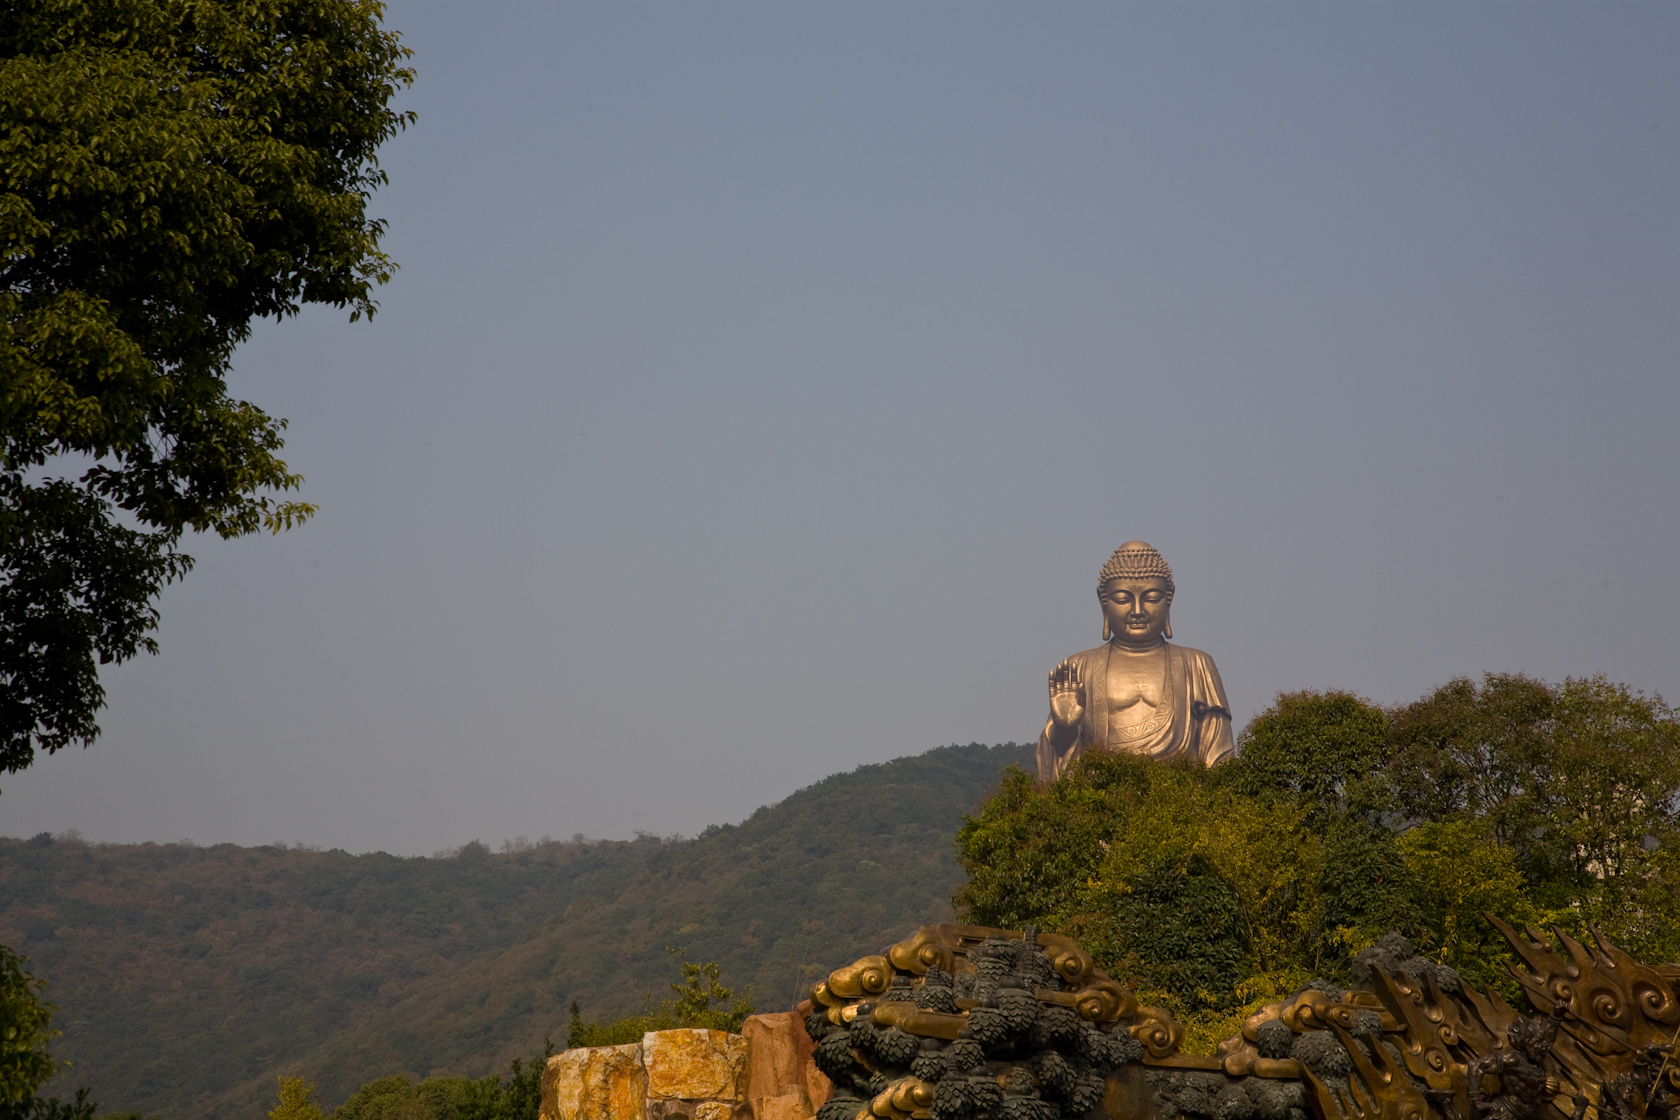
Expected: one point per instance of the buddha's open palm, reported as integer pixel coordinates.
(1065, 686)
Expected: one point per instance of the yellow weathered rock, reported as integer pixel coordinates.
(695, 1065)
(777, 1051)
(817, 1085)
(600, 1083)
(786, 1107)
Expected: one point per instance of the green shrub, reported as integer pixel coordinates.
(701, 1001)
(1215, 890)
(517, 1096)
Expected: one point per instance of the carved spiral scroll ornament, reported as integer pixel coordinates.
(869, 976)
(961, 1022)
(1158, 1031)
(1105, 1002)
(924, 950)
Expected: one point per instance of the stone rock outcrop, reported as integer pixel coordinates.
(601, 1083)
(669, 1075)
(697, 1074)
(783, 1082)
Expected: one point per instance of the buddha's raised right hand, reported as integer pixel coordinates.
(1065, 687)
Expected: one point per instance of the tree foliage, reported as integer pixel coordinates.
(1581, 782)
(1172, 875)
(701, 1001)
(169, 171)
(1317, 749)
(25, 1032)
(517, 1096)
(1338, 821)
(295, 1101)
(25, 1064)
(78, 1107)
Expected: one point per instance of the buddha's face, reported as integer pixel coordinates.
(1136, 610)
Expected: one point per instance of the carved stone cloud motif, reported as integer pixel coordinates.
(966, 1023)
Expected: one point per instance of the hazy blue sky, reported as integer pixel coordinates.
(765, 384)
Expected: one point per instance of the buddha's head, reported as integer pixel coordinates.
(1135, 589)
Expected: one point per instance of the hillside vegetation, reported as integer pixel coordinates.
(187, 978)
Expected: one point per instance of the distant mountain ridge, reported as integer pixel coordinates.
(189, 977)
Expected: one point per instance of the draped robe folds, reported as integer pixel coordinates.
(1196, 723)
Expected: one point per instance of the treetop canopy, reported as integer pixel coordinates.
(169, 170)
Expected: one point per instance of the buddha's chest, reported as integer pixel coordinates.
(1136, 679)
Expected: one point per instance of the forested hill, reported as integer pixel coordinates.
(188, 977)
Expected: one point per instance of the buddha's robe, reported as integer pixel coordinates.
(1193, 719)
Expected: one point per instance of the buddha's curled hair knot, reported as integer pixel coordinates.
(937, 992)
(1274, 1100)
(1018, 1009)
(1105, 1051)
(833, 1056)
(1086, 1095)
(963, 1056)
(989, 1025)
(1058, 1026)
(1366, 1021)
(933, 998)
(950, 1100)
(1135, 560)
(1320, 1052)
(863, 1034)
(1274, 1039)
(928, 1067)
(894, 1047)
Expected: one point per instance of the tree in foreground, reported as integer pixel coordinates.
(1219, 890)
(25, 1064)
(518, 1096)
(170, 170)
(25, 1032)
(295, 1100)
(701, 1002)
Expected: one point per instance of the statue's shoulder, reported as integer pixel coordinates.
(1086, 656)
(1190, 653)
(1200, 668)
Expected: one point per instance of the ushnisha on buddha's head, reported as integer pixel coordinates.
(1135, 589)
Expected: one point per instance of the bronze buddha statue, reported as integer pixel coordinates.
(1136, 692)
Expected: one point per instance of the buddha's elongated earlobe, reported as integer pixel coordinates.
(1167, 633)
(1105, 628)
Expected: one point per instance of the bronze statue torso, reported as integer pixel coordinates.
(1140, 695)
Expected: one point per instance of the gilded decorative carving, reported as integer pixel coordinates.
(911, 1019)
(1615, 1003)
(1072, 964)
(866, 977)
(963, 1022)
(1158, 1032)
(905, 1099)
(1429, 1026)
(1388, 1094)
(1315, 1010)
(926, 949)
